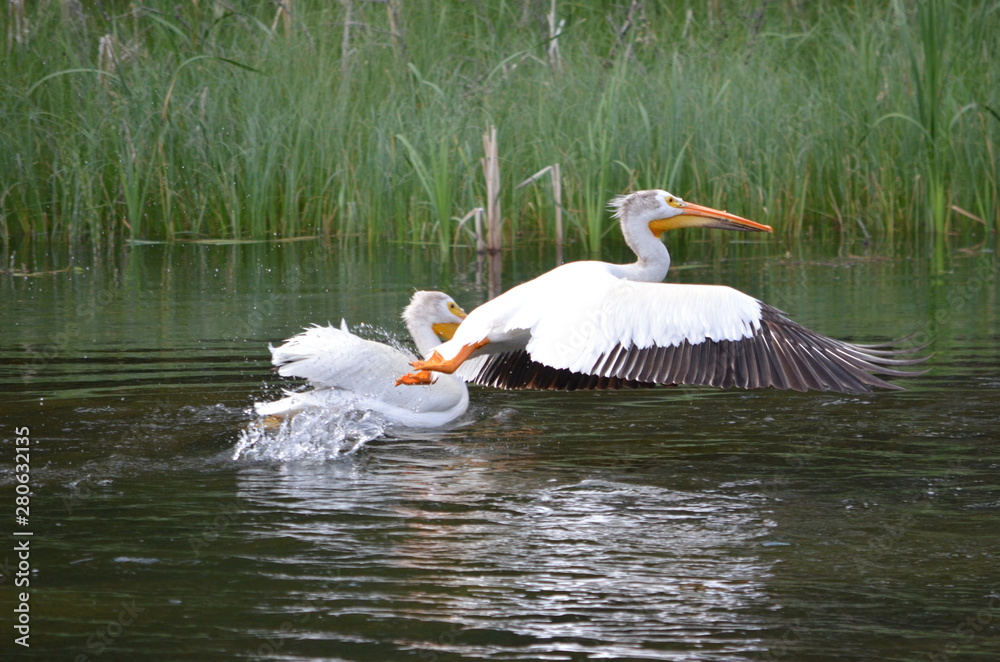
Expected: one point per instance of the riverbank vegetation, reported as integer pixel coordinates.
(238, 119)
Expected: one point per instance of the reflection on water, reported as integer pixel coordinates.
(676, 524)
(592, 565)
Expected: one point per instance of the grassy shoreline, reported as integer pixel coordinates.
(237, 120)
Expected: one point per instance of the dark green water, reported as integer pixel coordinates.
(682, 524)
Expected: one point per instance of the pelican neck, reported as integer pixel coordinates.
(423, 337)
(653, 260)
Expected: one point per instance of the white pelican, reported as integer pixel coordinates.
(344, 369)
(591, 325)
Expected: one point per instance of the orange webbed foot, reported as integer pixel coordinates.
(438, 363)
(434, 362)
(420, 378)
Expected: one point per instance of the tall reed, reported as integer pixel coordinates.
(248, 120)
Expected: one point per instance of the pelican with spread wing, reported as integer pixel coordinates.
(594, 325)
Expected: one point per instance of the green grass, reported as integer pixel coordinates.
(214, 120)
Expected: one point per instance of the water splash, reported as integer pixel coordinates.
(316, 435)
(381, 335)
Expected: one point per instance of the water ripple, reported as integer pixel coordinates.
(568, 566)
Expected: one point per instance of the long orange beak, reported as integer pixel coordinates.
(697, 216)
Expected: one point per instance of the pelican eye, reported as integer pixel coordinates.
(674, 201)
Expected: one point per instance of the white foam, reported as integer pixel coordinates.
(314, 435)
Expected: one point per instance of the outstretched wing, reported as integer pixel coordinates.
(629, 334)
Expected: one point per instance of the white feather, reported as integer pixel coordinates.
(573, 332)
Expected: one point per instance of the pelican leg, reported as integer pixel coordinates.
(438, 363)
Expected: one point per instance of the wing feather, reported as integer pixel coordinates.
(332, 357)
(365, 371)
(737, 350)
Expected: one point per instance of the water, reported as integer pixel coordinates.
(672, 524)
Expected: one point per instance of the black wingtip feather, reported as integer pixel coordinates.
(781, 354)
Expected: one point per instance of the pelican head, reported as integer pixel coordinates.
(432, 317)
(661, 211)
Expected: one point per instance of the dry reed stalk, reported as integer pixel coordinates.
(345, 42)
(17, 31)
(476, 214)
(73, 16)
(107, 59)
(557, 199)
(491, 172)
(112, 54)
(284, 14)
(396, 29)
(480, 242)
(555, 30)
